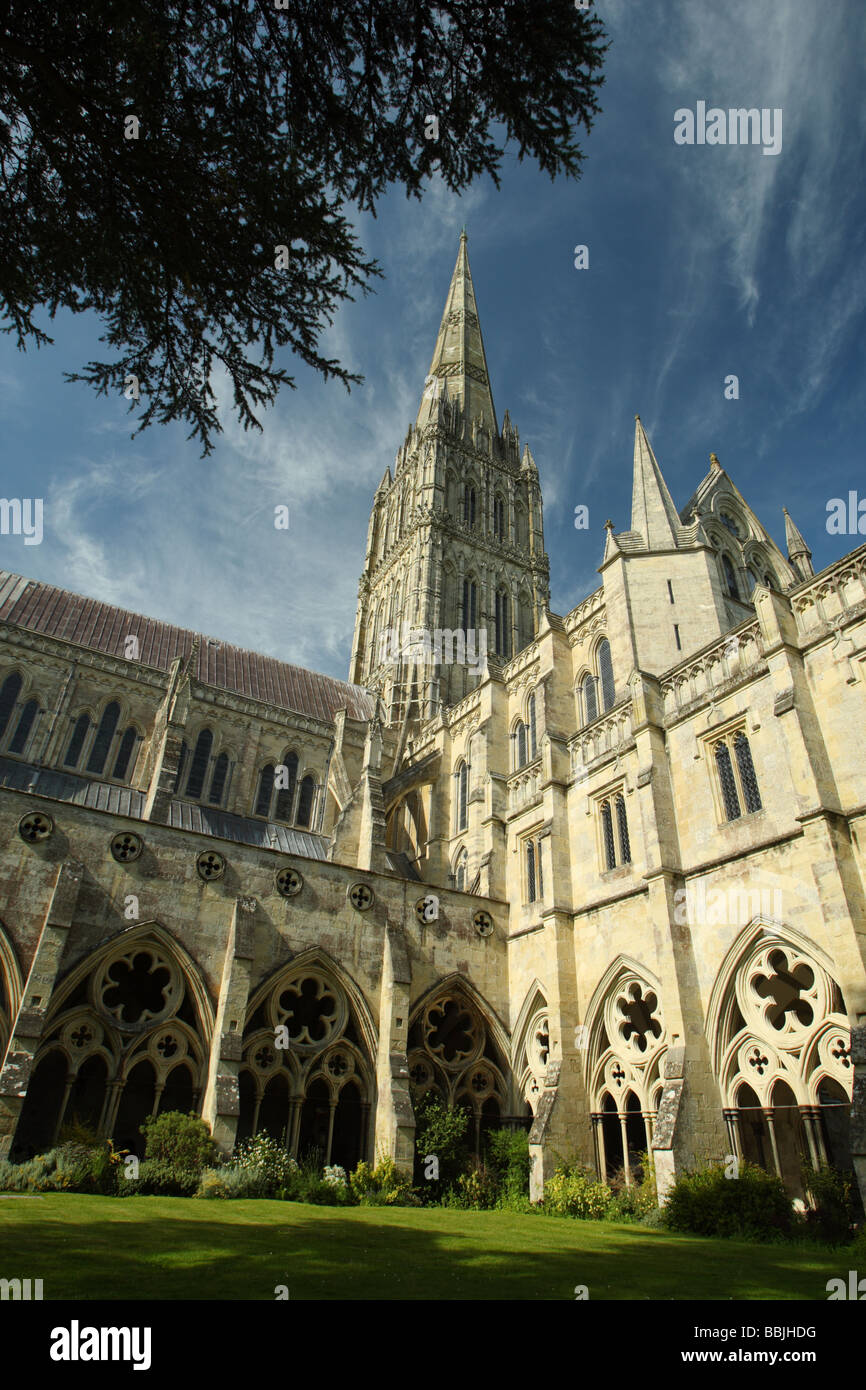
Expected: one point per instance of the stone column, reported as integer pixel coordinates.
(395, 1120)
(221, 1105)
(28, 1026)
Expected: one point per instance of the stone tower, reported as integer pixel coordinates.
(455, 568)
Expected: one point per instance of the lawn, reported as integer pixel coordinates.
(176, 1248)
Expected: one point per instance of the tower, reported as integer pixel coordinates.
(455, 571)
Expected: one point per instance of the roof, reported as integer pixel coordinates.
(101, 627)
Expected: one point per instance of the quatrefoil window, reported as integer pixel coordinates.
(618, 1074)
(841, 1052)
(289, 882)
(338, 1065)
(637, 1014)
(167, 1046)
(310, 1010)
(419, 1074)
(758, 1060)
(361, 896)
(785, 988)
(136, 988)
(450, 1031)
(82, 1036)
(35, 826)
(264, 1058)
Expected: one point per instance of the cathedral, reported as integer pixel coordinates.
(597, 875)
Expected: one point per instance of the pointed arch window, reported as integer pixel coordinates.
(520, 745)
(498, 519)
(746, 769)
(534, 877)
(470, 601)
(76, 742)
(199, 764)
(286, 794)
(726, 782)
(503, 626)
(533, 741)
(590, 699)
(607, 834)
(730, 577)
(605, 671)
(19, 739)
(462, 796)
(104, 735)
(738, 782)
(124, 754)
(266, 787)
(9, 692)
(306, 798)
(218, 781)
(469, 506)
(181, 766)
(460, 871)
(616, 846)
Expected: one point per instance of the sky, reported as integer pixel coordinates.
(705, 261)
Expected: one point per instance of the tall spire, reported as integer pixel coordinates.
(798, 552)
(653, 515)
(458, 357)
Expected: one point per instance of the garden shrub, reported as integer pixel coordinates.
(754, 1205)
(440, 1133)
(507, 1155)
(384, 1185)
(833, 1212)
(474, 1191)
(181, 1141)
(268, 1168)
(157, 1178)
(576, 1191)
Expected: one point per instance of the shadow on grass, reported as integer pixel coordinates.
(169, 1248)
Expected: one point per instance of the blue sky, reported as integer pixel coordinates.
(704, 261)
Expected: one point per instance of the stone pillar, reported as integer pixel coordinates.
(28, 1026)
(221, 1105)
(858, 1104)
(395, 1119)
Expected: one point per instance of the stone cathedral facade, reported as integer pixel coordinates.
(598, 874)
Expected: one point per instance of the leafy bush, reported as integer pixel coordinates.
(159, 1179)
(637, 1200)
(384, 1185)
(267, 1166)
(73, 1167)
(335, 1175)
(440, 1133)
(179, 1140)
(754, 1205)
(576, 1191)
(833, 1210)
(507, 1152)
(475, 1191)
(229, 1182)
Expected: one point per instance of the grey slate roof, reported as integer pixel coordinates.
(86, 622)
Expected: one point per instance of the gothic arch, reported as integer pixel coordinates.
(11, 990)
(127, 1035)
(316, 958)
(626, 1041)
(460, 1049)
(531, 1046)
(307, 1071)
(777, 1027)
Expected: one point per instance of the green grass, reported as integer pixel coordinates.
(174, 1248)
